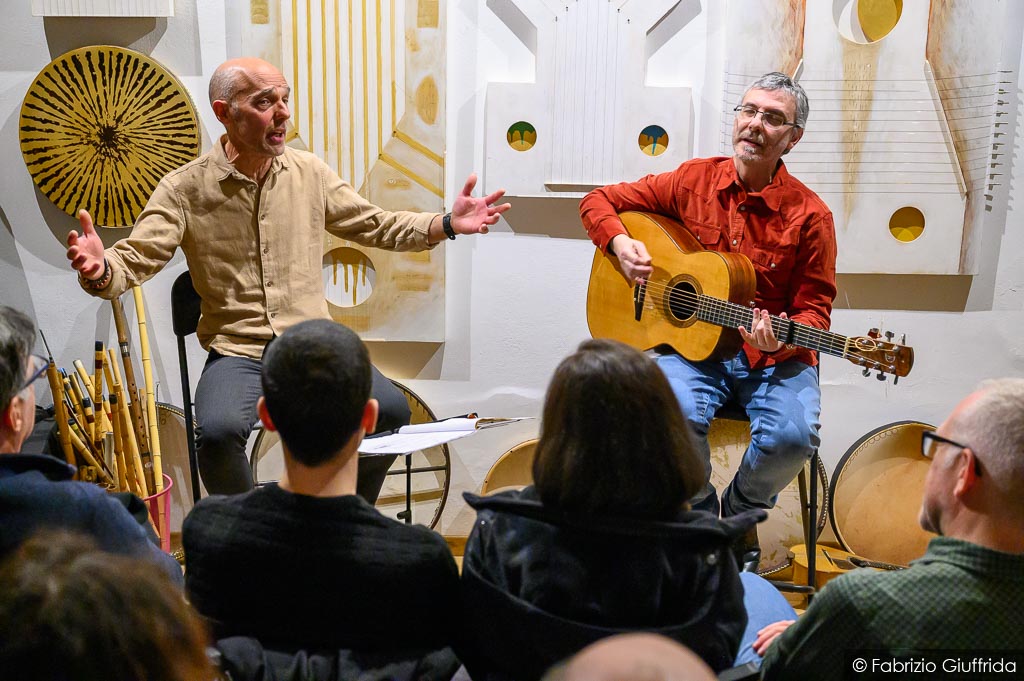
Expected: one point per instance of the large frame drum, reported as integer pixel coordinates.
(876, 494)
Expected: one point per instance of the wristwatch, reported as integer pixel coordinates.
(446, 224)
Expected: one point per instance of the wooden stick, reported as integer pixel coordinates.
(122, 468)
(59, 409)
(154, 430)
(134, 469)
(83, 398)
(72, 396)
(91, 460)
(132, 392)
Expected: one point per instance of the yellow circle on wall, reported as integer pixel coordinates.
(100, 126)
(521, 136)
(866, 21)
(878, 17)
(906, 224)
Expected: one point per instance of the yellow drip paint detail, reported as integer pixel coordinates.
(380, 81)
(295, 63)
(418, 179)
(351, 100)
(366, 100)
(323, 74)
(309, 72)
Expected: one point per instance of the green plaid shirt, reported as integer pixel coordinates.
(958, 596)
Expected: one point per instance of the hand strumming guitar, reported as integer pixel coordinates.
(633, 257)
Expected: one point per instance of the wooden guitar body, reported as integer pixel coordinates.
(667, 314)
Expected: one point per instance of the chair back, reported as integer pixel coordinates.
(185, 303)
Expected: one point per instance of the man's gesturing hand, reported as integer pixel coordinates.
(85, 251)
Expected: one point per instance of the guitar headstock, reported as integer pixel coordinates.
(884, 356)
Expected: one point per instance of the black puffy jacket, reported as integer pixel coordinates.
(538, 584)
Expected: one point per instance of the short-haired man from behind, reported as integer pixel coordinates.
(305, 564)
(36, 491)
(965, 593)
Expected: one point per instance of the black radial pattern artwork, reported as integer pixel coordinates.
(100, 126)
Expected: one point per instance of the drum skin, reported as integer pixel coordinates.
(876, 494)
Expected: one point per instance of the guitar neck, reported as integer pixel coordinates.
(732, 315)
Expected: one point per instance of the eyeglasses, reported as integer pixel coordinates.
(771, 119)
(37, 367)
(930, 441)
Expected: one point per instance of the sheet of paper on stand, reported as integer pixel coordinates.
(425, 435)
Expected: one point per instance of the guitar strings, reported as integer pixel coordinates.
(729, 314)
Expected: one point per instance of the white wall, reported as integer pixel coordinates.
(515, 301)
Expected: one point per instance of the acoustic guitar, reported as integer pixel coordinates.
(696, 299)
(830, 563)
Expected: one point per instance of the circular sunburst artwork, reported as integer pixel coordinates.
(100, 126)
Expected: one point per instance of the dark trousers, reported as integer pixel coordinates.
(225, 408)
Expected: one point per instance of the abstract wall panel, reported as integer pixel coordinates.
(368, 95)
(900, 148)
(587, 119)
(100, 126)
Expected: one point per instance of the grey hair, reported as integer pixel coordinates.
(225, 84)
(993, 426)
(17, 337)
(780, 81)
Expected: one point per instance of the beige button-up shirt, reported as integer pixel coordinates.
(255, 253)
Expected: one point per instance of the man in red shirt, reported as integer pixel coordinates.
(746, 204)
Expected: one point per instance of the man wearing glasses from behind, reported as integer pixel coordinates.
(957, 607)
(749, 204)
(36, 490)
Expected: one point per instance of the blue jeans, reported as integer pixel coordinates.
(764, 605)
(225, 410)
(783, 403)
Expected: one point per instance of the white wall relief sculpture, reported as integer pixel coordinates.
(900, 139)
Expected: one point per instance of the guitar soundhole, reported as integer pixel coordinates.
(682, 300)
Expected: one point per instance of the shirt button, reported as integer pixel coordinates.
(266, 250)
(772, 266)
(273, 315)
(269, 284)
(743, 208)
(734, 242)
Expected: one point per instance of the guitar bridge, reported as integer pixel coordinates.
(639, 295)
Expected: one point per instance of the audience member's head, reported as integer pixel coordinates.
(633, 657)
(974, 489)
(613, 439)
(19, 370)
(70, 611)
(316, 390)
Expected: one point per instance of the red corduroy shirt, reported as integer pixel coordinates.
(785, 229)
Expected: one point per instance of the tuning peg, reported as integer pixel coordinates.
(880, 376)
(889, 335)
(873, 333)
(903, 339)
(895, 380)
(866, 372)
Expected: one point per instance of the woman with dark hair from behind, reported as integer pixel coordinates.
(604, 542)
(71, 611)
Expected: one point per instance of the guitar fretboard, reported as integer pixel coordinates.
(732, 315)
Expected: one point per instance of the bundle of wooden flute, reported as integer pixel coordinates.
(105, 430)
